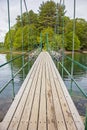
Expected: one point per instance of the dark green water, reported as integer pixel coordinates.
(5, 74)
(80, 75)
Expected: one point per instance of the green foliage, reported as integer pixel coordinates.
(9, 38)
(33, 18)
(57, 42)
(46, 33)
(29, 37)
(17, 39)
(69, 41)
(18, 19)
(1, 46)
(49, 21)
(47, 14)
(60, 12)
(81, 31)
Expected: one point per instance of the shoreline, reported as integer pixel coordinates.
(69, 52)
(20, 52)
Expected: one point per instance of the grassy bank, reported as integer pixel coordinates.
(6, 51)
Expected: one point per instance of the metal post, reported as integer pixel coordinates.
(57, 20)
(10, 41)
(22, 39)
(47, 42)
(28, 34)
(72, 68)
(63, 38)
(86, 121)
(57, 24)
(41, 41)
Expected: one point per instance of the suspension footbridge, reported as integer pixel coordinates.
(43, 101)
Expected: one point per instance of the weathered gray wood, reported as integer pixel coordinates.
(58, 111)
(74, 113)
(42, 111)
(22, 104)
(35, 107)
(8, 118)
(51, 118)
(42, 102)
(24, 123)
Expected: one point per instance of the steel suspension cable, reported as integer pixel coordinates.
(28, 33)
(10, 41)
(22, 37)
(41, 41)
(63, 35)
(59, 15)
(72, 66)
(72, 69)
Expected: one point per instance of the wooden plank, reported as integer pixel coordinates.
(51, 118)
(28, 108)
(42, 112)
(19, 111)
(76, 117)
(65, 109)
(78, 122)
(58, 111)
(35, 106)
(43, 101)
(17, 99)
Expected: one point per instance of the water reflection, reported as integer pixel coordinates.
(80, 75)
(5, 75)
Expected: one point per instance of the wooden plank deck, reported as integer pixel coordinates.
(43, 102)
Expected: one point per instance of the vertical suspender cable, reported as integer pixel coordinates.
(59, 17)
(86, 121)
(60, 2)
(10, 40)
(28, 33)
(41, 41)
(22, 38)
(72, 68)
(57, 23)
(57, 13)
(47, 41)
(62, 29)
(73, 37)
(62, 36)
(63, 24)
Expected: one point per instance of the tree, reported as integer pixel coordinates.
(69, 41)
(18, 21)
(57, 42)
(17, 39)
(47, 14)
(29, 37)
(33, 18)
(60, 12)
(49, 21)
(47, 36)
(9, 38)
(81, 31)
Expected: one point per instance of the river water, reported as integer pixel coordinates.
(5, 74)
(6, 96)
(80, 75)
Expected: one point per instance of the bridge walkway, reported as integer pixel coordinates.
(43, 102)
